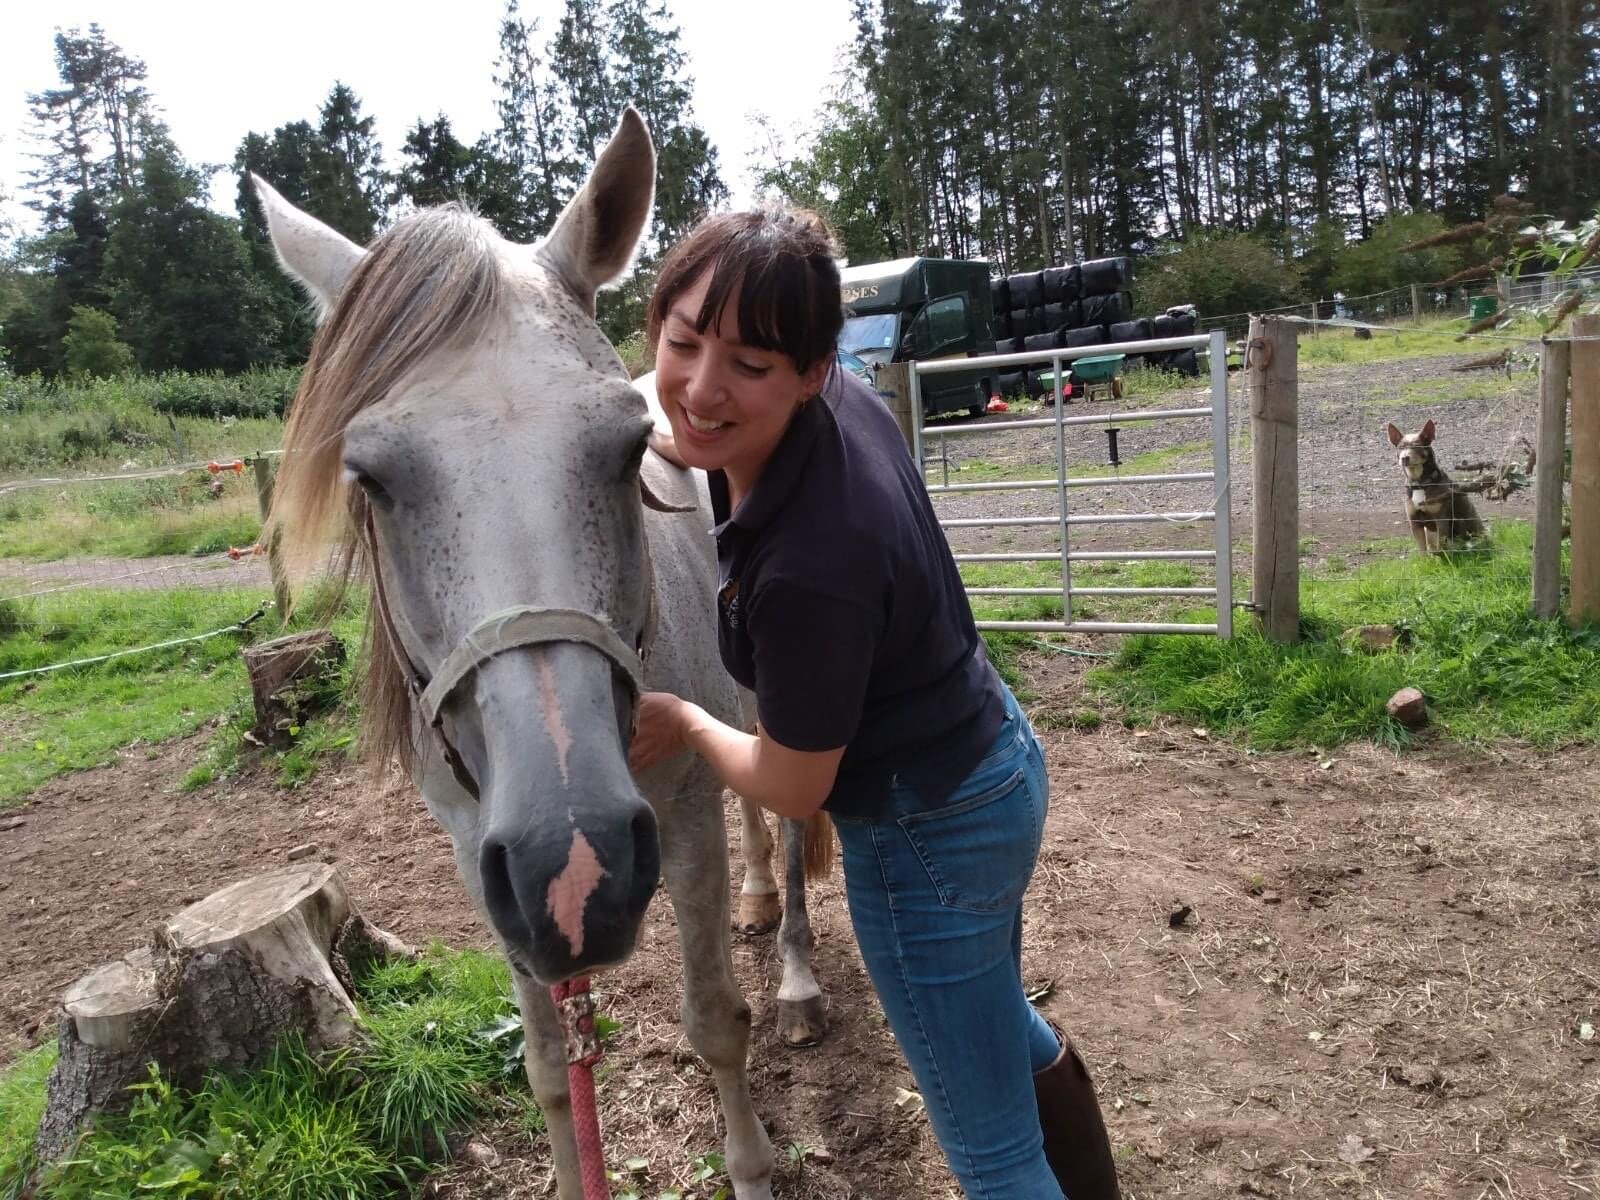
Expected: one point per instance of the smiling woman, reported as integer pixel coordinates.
(839, 605)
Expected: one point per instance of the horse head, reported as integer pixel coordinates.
(466, 430)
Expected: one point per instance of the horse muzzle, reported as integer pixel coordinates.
(568, 896)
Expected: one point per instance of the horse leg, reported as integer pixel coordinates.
(758, 897)
(544, 1054)
(802, 1018)
(694, 860)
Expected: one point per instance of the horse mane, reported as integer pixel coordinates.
(424, 284)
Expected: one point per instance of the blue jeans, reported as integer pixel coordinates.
(936, 900)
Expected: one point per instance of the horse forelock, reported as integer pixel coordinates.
(431, 282)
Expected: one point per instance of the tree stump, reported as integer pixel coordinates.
(291, 678)
(221, 983)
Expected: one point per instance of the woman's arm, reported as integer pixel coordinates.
(791, 783)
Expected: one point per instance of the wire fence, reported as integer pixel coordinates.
(90, 565)
(1421, 303)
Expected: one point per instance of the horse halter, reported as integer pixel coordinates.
(508, 629)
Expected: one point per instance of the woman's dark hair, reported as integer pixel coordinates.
(783, 267)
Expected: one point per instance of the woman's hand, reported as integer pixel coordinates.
(658, 730)
(664, 444)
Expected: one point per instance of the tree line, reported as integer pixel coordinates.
(131, 268)
(1033, 132)
(1250, 152)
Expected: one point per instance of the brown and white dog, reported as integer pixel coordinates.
(1440, 515)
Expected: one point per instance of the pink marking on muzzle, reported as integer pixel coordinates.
(569, 891)
(555, 723)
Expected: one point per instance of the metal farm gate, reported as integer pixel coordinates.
(1064, 520)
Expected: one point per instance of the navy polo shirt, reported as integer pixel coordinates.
(840, 606)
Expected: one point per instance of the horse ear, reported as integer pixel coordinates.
(594, 239)
(320, 259)
(1394, 433)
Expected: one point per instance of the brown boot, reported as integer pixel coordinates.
(1075, 1141)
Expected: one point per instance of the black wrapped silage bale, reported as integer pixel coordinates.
(1108, 309)
(1026, 320)
(1058, 316)
(1184, 362)
(1102, 276)
(1139, 330)
(1027, 290)
(1170, 326)
(1061, 284)
(1000, 295)
(1089, 335)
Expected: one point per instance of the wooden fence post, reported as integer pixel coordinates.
(1555, 361)
(1271, 364)
(1416, 305)
(1585, 471)
(893, 381)
(264, 471)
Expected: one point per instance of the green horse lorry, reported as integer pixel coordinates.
(924, 309)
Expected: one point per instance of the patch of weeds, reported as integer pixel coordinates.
(21, 1106)
(1489, 669)
(361, 1123)
(220, 758)
(1004, 648)
(334, 732)
(1152, 381)
(1083, 720)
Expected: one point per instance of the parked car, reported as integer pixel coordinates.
(855, 366)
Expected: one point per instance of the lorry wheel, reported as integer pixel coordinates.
(975, 411)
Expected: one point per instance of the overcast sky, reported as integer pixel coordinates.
(219, 70)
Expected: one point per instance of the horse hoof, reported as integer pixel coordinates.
(759, 913)
(802, 1023)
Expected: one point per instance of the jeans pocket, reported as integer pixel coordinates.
(979, 852)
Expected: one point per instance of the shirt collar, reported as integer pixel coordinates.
(778, 477)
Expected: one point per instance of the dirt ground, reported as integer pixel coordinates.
(1382, 987)
(1379, 990)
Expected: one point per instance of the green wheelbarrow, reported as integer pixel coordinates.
(1095, 378)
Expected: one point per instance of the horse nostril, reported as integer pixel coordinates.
(646, 853)
(499, 896)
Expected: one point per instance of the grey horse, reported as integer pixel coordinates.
(468, 437)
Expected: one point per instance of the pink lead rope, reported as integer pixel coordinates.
(575, 1006)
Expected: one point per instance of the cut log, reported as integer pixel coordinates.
(291, 678)
(222, 983)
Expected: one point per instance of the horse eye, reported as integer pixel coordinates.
(635, 457)
(374, 490)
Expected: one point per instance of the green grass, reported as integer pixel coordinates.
(99, 425)
(21, 1106)
(1340, 347)
(1489, 670)
(1433, 392)
(1147, 462)
(139, 519)
(363, 1123)
(1091, 574)
(77, 718)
